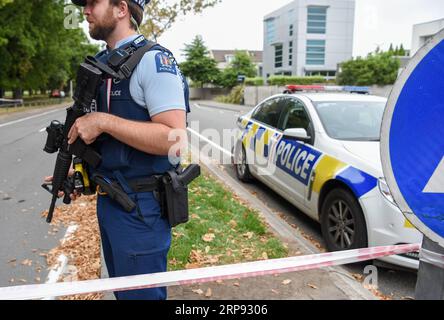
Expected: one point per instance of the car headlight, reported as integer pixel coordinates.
(383, 187)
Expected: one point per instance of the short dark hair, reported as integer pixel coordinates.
(135, 10)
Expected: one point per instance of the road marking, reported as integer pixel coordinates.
(228, 153)
(28, 118)
(62, 261)
(436, 182)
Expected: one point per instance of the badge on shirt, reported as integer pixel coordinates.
(165, 64)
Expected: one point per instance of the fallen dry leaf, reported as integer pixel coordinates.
(312, 286)
(264, 255)
(358, 276)
(286, 282)
(236, 284)
(248, 235)
(274, 291)
(26, 262)
(209, 293)
(209, 237)
(198, 291)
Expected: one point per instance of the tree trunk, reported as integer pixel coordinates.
(17, 93)
(2, 93)
(30, 92)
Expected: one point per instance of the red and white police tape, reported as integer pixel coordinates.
(194, 276)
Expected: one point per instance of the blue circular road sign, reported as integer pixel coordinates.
(412, 141)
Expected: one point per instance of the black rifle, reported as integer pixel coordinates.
(89, 80)
(90, 76)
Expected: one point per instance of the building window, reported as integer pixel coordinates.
(278, 53)
(291, 30)
(315, 52)
(290, 53)
(270, 30)
(330, 74)
(317, 20)
(229, 58)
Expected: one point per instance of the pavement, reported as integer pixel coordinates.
(333, 283)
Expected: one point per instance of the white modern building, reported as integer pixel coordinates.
(308, 37)
(423, 32)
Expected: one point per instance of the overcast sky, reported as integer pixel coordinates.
(238, 24)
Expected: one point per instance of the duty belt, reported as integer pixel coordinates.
(112, 189)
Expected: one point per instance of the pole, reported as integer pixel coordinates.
(430, 285)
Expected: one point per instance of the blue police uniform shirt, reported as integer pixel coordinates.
(156, 88)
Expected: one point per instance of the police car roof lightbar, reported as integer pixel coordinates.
(319, 88)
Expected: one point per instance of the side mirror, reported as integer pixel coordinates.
(297, 134)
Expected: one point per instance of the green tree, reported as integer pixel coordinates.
(241, 65)
(37, 51)
(380, 68)
(401, 52)
(199, 66)
(163, 13)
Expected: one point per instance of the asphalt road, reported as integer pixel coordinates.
(24, 234)
(395, 283)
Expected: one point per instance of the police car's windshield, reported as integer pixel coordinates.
(352, 120)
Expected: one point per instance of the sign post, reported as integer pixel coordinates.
(412, 151)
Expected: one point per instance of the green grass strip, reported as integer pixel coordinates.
(221, 231)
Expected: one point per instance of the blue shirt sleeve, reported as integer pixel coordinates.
(157, 84)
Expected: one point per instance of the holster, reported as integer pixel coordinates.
(173, 194)
(115, 192)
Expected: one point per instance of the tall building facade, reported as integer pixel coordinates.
(308, 37)
(424, 32)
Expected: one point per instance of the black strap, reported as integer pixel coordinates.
(128, 67)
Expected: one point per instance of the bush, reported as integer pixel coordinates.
(284, 80)
(236, 96)
(254, 82)
(380, 68)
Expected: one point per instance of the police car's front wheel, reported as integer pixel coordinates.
(342, 222)
(241, 165)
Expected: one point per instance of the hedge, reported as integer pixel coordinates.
(284, 80)
(254, 82)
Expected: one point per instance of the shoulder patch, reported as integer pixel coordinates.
(165, 64)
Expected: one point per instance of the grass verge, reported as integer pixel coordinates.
(221, 231)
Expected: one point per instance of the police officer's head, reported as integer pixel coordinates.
(104, 16)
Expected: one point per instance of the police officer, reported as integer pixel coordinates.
(136, 117)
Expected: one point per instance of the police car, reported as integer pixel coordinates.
(320, 151)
